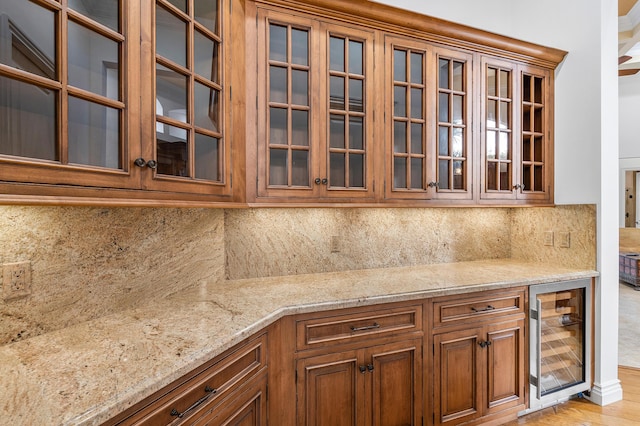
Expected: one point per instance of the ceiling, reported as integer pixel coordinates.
(629, 33)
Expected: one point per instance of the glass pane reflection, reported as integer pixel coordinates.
(30, 41)
(399, 65)
(205, 52)
(277, 43)
(103, 11)
(337, 129)
(206, 13)
(355, 57)
(400, 136)
(336, 54)
(93, 62)
(172, 152)
(356, 132)
(207, 158)
(171, 92)
(171, 36)
(94, 134)
(299, 47)
(28, 120)
(207, 107)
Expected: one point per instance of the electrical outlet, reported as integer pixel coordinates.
(16, 280)
(548, 238)
(335, 244)
(565, 239)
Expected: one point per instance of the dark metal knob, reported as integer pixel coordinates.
(317, 181)
(433, 184)
(370, 367)
(362, 368)
(519, 186)
(152, 164)
(140, 162)
(324, 181)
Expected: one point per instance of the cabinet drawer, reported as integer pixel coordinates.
(196, 391)
(356, 325)
(485, 305)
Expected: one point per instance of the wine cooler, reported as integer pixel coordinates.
(560, 341)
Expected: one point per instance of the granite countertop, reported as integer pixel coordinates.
(87, 373)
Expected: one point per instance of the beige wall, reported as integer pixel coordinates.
(90, 262)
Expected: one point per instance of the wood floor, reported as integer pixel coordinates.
(580, 412)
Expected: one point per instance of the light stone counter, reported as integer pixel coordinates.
(87, 373)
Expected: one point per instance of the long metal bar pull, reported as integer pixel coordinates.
(208, 390)
(539, 349)
(366, 327)
(488, 308)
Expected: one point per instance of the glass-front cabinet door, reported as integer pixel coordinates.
(408, 73)
(314, 109)
(498, 132)
(535, 179)
(65, 83)
(191, 151)
(515, 131)
(453, 157)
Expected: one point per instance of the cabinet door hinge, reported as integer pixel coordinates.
(267, 393)
(533, 314)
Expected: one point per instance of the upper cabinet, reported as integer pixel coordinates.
(258, 102)
(315, 108)
(357, 102)
(115, 100)
(516, 132)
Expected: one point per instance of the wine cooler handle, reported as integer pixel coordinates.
(539, 348)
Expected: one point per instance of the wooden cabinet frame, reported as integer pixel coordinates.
(244, 160)
(393, 29)
(33, 181)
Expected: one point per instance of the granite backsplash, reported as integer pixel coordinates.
(89, 262)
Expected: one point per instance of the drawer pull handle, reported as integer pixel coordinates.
(488, 308)
(210, 391)
(366, 327)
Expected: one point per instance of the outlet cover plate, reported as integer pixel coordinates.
(548, 238)
(16, 280)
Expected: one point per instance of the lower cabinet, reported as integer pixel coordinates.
(479, 365)
(229, 390)
(379, 385)
(364, 366)
(245, 407)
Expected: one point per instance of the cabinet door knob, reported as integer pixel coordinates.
(362, 368)
(152, 164)
(433, 184)
(370, 367)
(140, 162)
(317, 181)
(324, 181)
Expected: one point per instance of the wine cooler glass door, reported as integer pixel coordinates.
(560, 361)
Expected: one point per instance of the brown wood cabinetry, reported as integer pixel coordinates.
(365, 369)
(517, 130)
(373, 105)
(479, 358)
(268, 101)
(229, 390)
(127, 101)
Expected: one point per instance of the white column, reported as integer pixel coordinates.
(607, 387)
